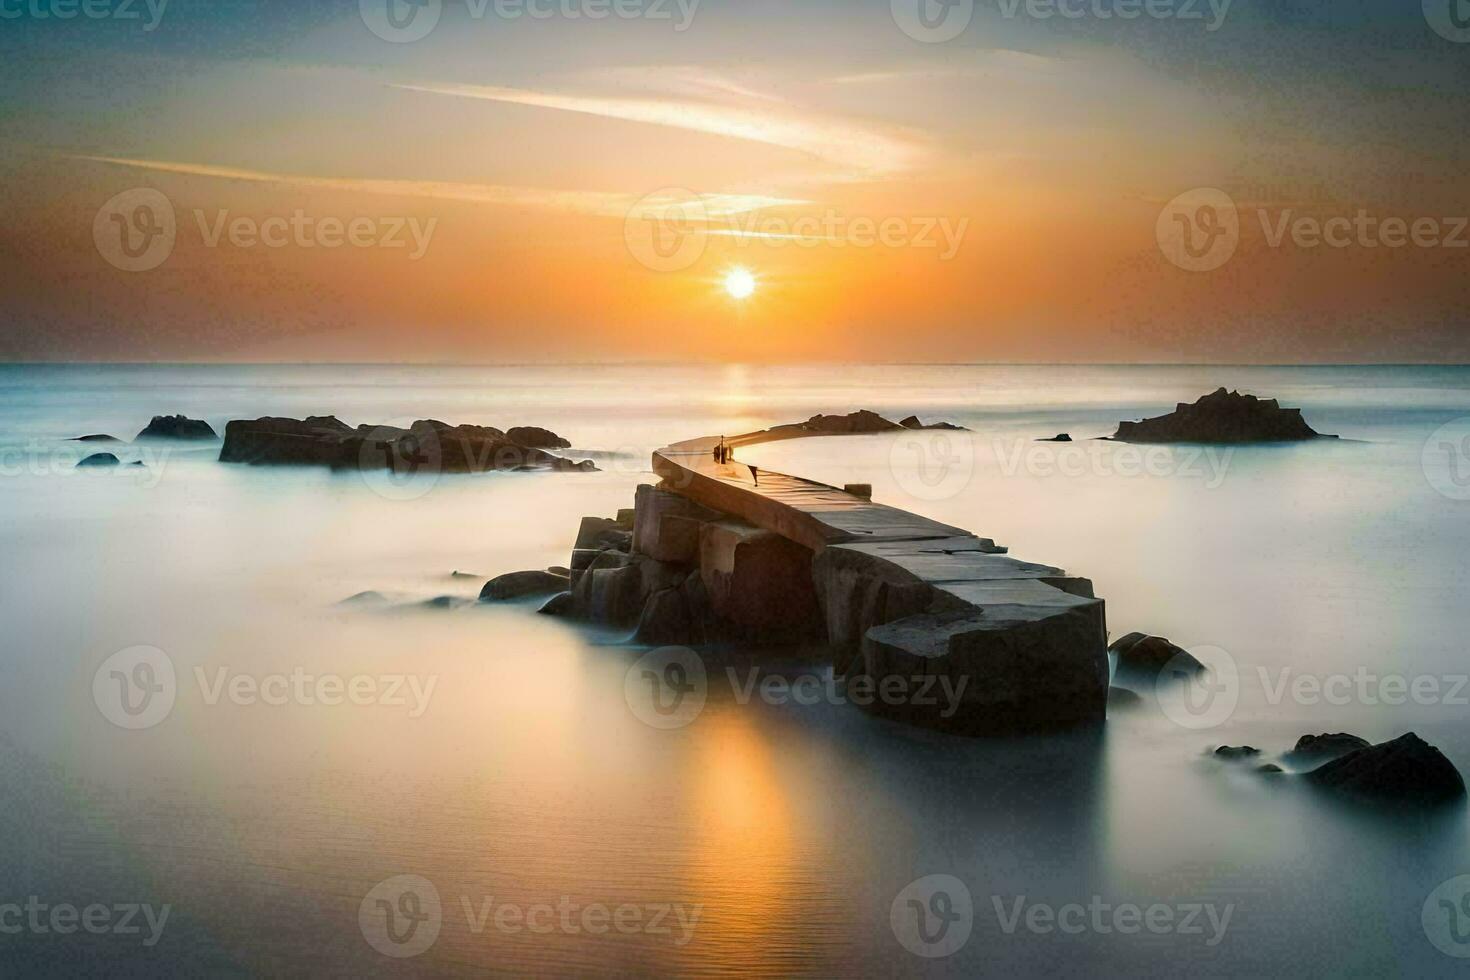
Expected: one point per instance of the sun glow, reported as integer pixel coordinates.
(739, 283)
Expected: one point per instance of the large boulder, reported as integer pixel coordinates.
(534, 437)
(758, 582)
(1406, 771)
(1142, 656)
(665, 620)
(1313, 749)
(318, 440)
(666, 525)
(522, 585)
(1222, 417)
(177, 427)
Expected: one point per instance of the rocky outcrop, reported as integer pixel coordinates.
(1237, 752)
(523, 585)
(1144, 657)
(1316, 749)
(98, 437)
(912, 422)
(1407, 771)
(428, 446)
(178, 427)
(1061, 437)
(862, 422)
(533, 437)
(99, 459)
(1222, 417)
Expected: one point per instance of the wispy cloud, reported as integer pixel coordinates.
(846, 144)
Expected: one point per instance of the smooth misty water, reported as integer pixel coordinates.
(792, 828)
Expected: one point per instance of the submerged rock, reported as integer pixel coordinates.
(100, 459)
(1222, 417)
(1237, 751)
(912, 422)
(1324, 748)
(178, 427)
(1061, 437)
(444, 602)
(561, 604)
(1270, 769)
(1406, 771)
(99, 437)
(364, 599)
(522, 585)
(1147, 656)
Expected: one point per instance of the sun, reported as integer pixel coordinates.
(739, 283)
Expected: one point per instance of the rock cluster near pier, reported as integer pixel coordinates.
(426, 446)
(1222, 417)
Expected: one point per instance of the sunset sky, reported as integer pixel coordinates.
(991, 197)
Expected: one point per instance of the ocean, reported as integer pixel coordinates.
(312, 753)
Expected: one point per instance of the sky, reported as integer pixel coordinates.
(1257, 181)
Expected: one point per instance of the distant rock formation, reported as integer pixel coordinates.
(1062, 437)
(1237, 752)
(1222, 417)
(426, 446)
(178, 427)
(1324, 748)
(1406, 771)
(99, 459)
(1146, 656)
(912, 422)
(861, 422)
(99, 437)
(536, 438)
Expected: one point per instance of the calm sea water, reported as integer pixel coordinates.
(774, 837)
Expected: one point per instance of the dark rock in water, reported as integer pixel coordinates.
(1122, 699)
(428, 446)
(561, 570)
(364, 599)
(1406, 771)
(559, 605)
(1144, 655)
(533, 437)
(521, 585)
(1270, 769)
(177, 427)
(1061, 437)
(137, 462)
(444, 602)
(1222, 417)
(1237, 751)
(100, 459)
(912, 422)
(95, 438)
(1323, 748)
(665, 620)
(457, 574)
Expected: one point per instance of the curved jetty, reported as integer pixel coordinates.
(901, 597)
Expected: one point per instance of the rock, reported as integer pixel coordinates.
(318, 440)
(521, 585)
(863, 490)
(1270, 769)
(1146, 656)
(759, 582)
(536, 438)
(456, 574)
(665, 620)
(177, 427)
(95, 438)
(444, 602)
(600, 534)
(561, 604)
(364, 599)
(1122, 699)
(1061, 437)
(561, 570)
(1237, 751)
(666, 525)
(1324, 748)
(138, 462)
(1406, 771)
(626, 518)
(1222, 417)
(99, 459)
(610, 591)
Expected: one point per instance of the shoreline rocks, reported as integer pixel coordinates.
(1325, 748)
(427, 446)
(523, 585)
(178, 427)
(1406, 771)
(1144, 657)
(1222, 417)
